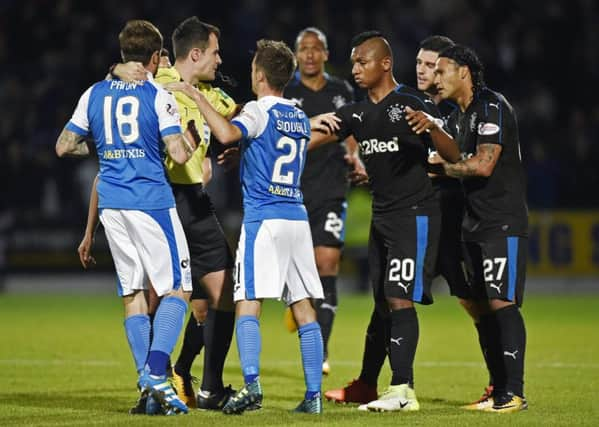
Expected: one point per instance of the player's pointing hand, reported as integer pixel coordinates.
(421, 121)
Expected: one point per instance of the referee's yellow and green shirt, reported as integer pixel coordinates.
(191, 172)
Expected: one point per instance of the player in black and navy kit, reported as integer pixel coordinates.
(495, 227)
(451, 252)
(405, 224)
(324, 180)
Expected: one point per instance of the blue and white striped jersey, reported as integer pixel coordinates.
(127, 122)
(273, 154)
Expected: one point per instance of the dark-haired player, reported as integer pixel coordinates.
(450, 259)
(324, 180)
(405, 224)
(197, 57)
(495, 226)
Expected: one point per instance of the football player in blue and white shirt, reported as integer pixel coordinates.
(274, 257)
(131, 124)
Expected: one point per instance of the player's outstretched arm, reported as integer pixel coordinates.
(71, 144)
(324, 128)
(85, 247)
(444, 143)
(222, 129)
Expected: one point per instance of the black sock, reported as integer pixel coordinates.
(326, 309)
(193, 341)
(218, 334)
(375, 348)
(402, 345)
(489, 328)
(513, 346)
(482, 341)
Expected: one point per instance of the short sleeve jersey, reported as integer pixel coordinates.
(394, 156)
(273, 154)
(495, 206)
(127, 122)
(325, 174)
(191, 172)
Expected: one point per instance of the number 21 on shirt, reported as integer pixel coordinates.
(287, 170)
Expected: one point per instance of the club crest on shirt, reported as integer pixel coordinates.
(396, 112)
(339, 101)
(473, 122)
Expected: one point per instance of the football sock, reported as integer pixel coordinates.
(375, 349)
(138, 328)
(218, 334)
(167, 326)
(489, 327)
(249, 344)
(326, 309)
(193, 341)
(513, 346)
(312, 349)
(482, 341)
(402, 345)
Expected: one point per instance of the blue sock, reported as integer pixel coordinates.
(138, 328)
(312, 353)
(168, 322)
(247, 332)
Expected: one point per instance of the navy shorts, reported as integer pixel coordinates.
(402, 253)
(497, 268)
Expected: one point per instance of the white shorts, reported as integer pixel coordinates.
(275, 259)
(147, 245)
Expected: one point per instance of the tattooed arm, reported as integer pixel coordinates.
(71, 144)
(179, 147)
(481, 164)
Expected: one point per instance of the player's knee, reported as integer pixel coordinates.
(199, 308)
(327, 267)
(327, 261)
(303, 312)
(399, 303)
(498, 304)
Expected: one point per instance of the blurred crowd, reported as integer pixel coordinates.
(541, 54)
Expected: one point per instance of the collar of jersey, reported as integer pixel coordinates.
(172, 73)
(271, 100)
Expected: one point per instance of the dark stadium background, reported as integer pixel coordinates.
(541, 54)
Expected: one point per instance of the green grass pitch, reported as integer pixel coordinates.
(64, 361)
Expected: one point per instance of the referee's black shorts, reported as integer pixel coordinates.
(208, 246)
